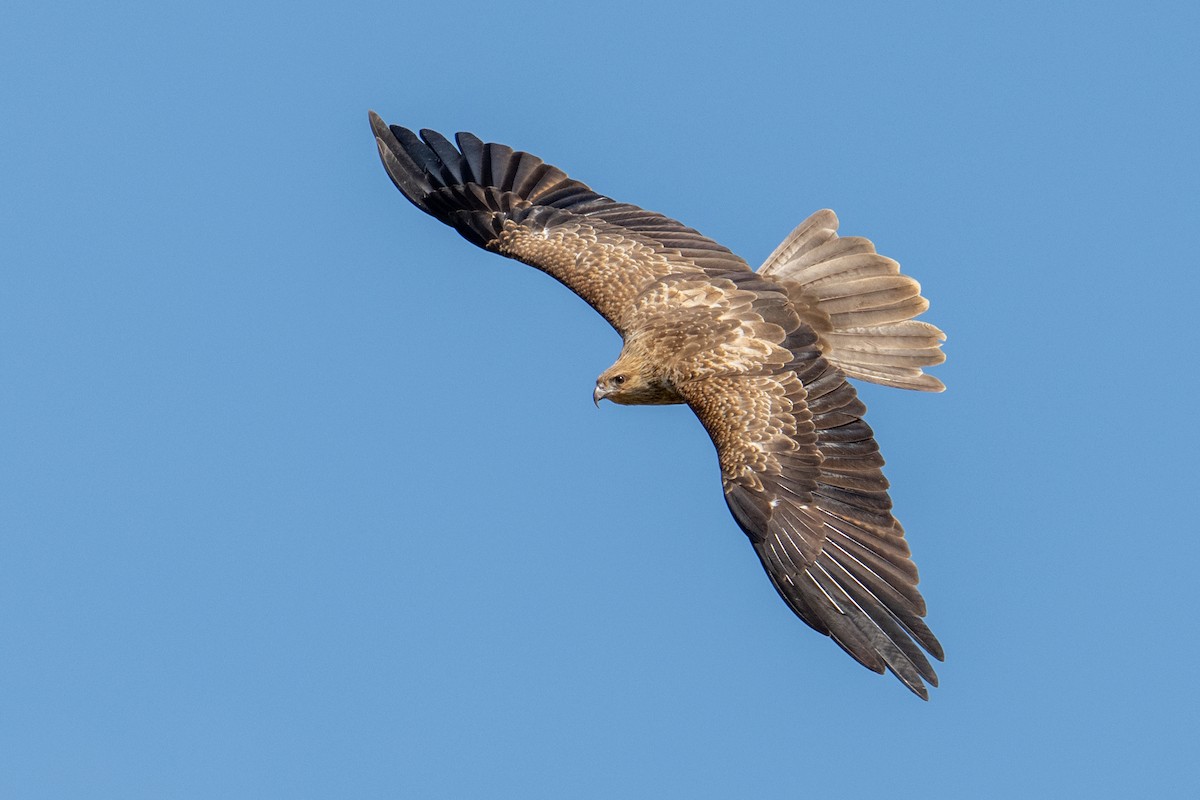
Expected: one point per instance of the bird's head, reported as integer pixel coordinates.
(632, 382)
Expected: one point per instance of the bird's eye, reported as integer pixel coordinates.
(618, 379)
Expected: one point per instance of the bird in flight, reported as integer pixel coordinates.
(761, 357)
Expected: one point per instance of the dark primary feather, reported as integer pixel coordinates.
(421, 168)
(749, 352)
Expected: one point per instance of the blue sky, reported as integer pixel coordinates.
(306, 497)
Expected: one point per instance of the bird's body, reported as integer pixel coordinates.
(760, 357)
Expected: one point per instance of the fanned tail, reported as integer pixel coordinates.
(860, 305)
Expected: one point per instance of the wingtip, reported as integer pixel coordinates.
(377, 124)
(920, 691)
(407, 175)
(918, 684)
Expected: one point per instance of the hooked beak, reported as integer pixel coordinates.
(598, 395)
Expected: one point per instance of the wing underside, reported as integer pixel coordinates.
(803, 478)
(517, 205)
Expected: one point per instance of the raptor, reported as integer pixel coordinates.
(761, 356)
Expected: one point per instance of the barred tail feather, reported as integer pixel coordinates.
(859, 303)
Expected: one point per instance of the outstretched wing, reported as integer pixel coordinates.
(802, 477)
(517, 205)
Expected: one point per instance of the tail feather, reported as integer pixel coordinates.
(860, 305)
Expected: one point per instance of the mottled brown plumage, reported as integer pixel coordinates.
(760, 357)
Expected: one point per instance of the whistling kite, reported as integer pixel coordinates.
(760, 357)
